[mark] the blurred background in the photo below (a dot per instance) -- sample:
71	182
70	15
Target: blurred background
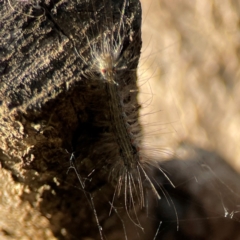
189	75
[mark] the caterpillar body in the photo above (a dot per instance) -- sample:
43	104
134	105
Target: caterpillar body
111	64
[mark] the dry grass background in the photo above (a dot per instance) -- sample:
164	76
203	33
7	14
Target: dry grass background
191	57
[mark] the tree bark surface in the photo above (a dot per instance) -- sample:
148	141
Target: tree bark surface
50	109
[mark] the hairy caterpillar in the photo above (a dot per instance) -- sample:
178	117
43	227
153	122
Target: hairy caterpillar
105	63
112	65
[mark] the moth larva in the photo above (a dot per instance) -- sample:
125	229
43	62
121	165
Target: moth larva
110	60
113	63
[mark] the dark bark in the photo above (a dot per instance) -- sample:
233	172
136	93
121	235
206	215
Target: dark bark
51	107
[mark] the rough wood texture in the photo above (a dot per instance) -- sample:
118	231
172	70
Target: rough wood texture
51	108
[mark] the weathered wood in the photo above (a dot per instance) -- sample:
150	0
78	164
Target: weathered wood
51	108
